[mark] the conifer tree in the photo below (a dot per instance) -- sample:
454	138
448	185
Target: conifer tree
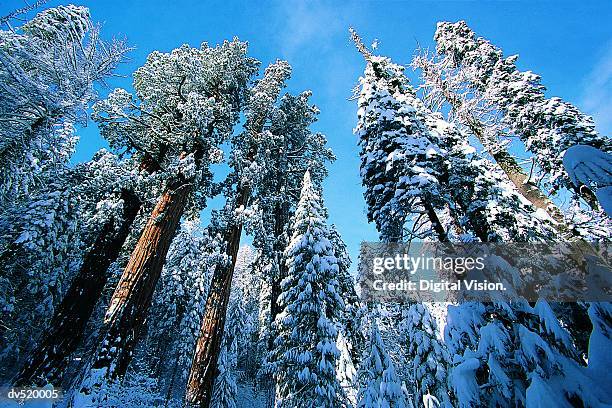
283	157
235	337
399	161
111	193
260	100
417	166
547	126
178	306
187	103
95	199
379	385
305	352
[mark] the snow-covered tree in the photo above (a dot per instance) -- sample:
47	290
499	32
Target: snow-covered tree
224	393
305	352
283	156
236	336
547	126
48	68
41	250
426	354
399	161
186	104
379	385
240	185
351	340
107	194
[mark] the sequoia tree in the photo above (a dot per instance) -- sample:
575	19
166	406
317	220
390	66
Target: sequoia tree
243	179
186	104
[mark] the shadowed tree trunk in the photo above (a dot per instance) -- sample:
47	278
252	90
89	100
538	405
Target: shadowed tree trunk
126	314
50	359
204	367
436	225
48	362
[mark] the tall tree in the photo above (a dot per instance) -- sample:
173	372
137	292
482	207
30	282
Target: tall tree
48	68
235	336
547	126
178	306
187	103
91	199
259	105
399	161
441	88
283	157
354	312
305	352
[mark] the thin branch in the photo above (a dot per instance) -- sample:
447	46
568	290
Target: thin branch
359	44
20	11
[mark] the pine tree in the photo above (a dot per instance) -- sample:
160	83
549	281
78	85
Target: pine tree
379	385
427	355
305	352
547	126
399	160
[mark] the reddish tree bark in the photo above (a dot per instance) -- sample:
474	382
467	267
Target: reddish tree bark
48	362
204	367
126	314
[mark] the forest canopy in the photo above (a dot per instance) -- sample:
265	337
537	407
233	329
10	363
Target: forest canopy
193	261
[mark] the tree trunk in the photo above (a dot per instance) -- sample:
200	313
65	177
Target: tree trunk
436	225
204	367
505	160
126	314
49	361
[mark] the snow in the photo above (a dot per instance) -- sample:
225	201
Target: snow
588	166
604	197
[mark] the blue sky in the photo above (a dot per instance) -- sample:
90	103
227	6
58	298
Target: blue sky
569	43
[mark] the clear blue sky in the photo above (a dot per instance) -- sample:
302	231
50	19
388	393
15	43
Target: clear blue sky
568	43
